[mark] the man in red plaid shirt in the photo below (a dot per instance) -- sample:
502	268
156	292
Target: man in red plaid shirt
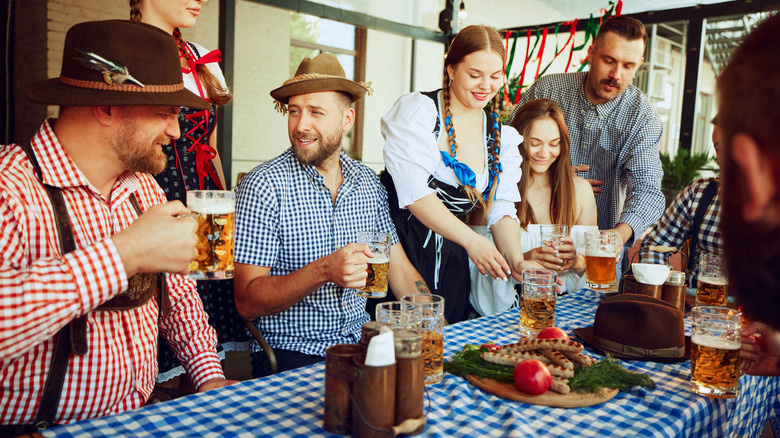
100	268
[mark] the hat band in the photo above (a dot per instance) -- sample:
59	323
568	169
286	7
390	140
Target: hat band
637	351
122	87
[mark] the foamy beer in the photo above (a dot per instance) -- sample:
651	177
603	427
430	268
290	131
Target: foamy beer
537	301
378	266
600	258
712	285
715	345
215	213
431	310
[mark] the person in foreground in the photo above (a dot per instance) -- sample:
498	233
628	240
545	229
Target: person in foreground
615	131
551	194
89	247
435	180
194	164
297	220
694	214
749	117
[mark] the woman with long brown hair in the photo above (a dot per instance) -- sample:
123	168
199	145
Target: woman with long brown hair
193	162
551	194
444	154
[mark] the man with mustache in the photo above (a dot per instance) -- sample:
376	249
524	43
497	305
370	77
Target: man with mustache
297	218
748	98
615	131
90	251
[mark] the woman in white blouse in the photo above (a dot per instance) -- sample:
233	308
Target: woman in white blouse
551	194
444	154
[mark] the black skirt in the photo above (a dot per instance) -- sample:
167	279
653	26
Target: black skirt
442	263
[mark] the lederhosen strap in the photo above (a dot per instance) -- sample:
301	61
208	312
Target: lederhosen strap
76	330
704	204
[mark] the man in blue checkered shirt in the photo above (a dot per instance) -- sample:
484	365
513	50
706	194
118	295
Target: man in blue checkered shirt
297	218
614	129
678	225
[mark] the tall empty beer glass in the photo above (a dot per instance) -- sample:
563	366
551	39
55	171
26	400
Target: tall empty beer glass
553	233
432	313
712	284
600	258
214	211
378	266
715	345
537	301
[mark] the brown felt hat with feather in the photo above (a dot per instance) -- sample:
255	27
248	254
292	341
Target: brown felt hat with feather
323	73
117	62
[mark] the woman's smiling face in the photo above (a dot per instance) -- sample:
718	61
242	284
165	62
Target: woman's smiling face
477	78
543	145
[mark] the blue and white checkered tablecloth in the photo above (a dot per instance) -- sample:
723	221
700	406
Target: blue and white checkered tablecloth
291	403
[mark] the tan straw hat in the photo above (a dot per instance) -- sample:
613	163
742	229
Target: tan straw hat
117	62
323	73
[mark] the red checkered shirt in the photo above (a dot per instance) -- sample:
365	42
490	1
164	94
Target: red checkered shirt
41	291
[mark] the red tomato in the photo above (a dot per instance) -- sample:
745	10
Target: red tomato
552	333
532	377
489	347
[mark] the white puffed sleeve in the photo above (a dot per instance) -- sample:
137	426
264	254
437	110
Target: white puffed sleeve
507	192
411	150
213	67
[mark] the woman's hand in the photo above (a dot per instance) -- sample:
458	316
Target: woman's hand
486	257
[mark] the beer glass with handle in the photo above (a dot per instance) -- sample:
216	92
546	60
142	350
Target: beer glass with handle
537	301
215	211
432	313
715	344
712	284
378	266
601	258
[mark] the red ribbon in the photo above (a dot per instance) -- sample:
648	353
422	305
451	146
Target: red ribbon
619	8
525	64
572	31
541	53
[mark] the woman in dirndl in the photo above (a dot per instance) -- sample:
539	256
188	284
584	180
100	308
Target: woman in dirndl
194	164
445	154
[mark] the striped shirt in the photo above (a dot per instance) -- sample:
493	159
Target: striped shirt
42	290
286	219
676	226
620	141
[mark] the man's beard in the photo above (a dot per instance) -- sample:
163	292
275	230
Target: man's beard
139	155
327	146
752	254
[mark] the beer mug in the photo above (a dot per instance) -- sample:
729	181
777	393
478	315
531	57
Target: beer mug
715	344
600	258
378	266
393	315
215	211
432	315
553	233
537	301
712	284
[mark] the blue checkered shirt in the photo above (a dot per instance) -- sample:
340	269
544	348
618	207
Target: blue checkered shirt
619	139
676	226
285	219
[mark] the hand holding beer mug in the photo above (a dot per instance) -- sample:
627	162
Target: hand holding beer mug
712	284
600	258
432	313
537	301
715	344
378	266
214	210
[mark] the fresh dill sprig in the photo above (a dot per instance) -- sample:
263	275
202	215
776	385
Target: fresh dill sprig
608	373
469	361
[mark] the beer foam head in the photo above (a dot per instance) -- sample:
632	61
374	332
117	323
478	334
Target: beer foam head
599	253
715	342
210	205
379	258
715	281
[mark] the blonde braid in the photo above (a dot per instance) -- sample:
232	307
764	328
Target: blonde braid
135	10
494	151
472	193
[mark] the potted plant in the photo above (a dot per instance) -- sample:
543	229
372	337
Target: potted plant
681	170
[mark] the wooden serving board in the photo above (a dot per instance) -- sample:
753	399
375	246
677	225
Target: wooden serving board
549	398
